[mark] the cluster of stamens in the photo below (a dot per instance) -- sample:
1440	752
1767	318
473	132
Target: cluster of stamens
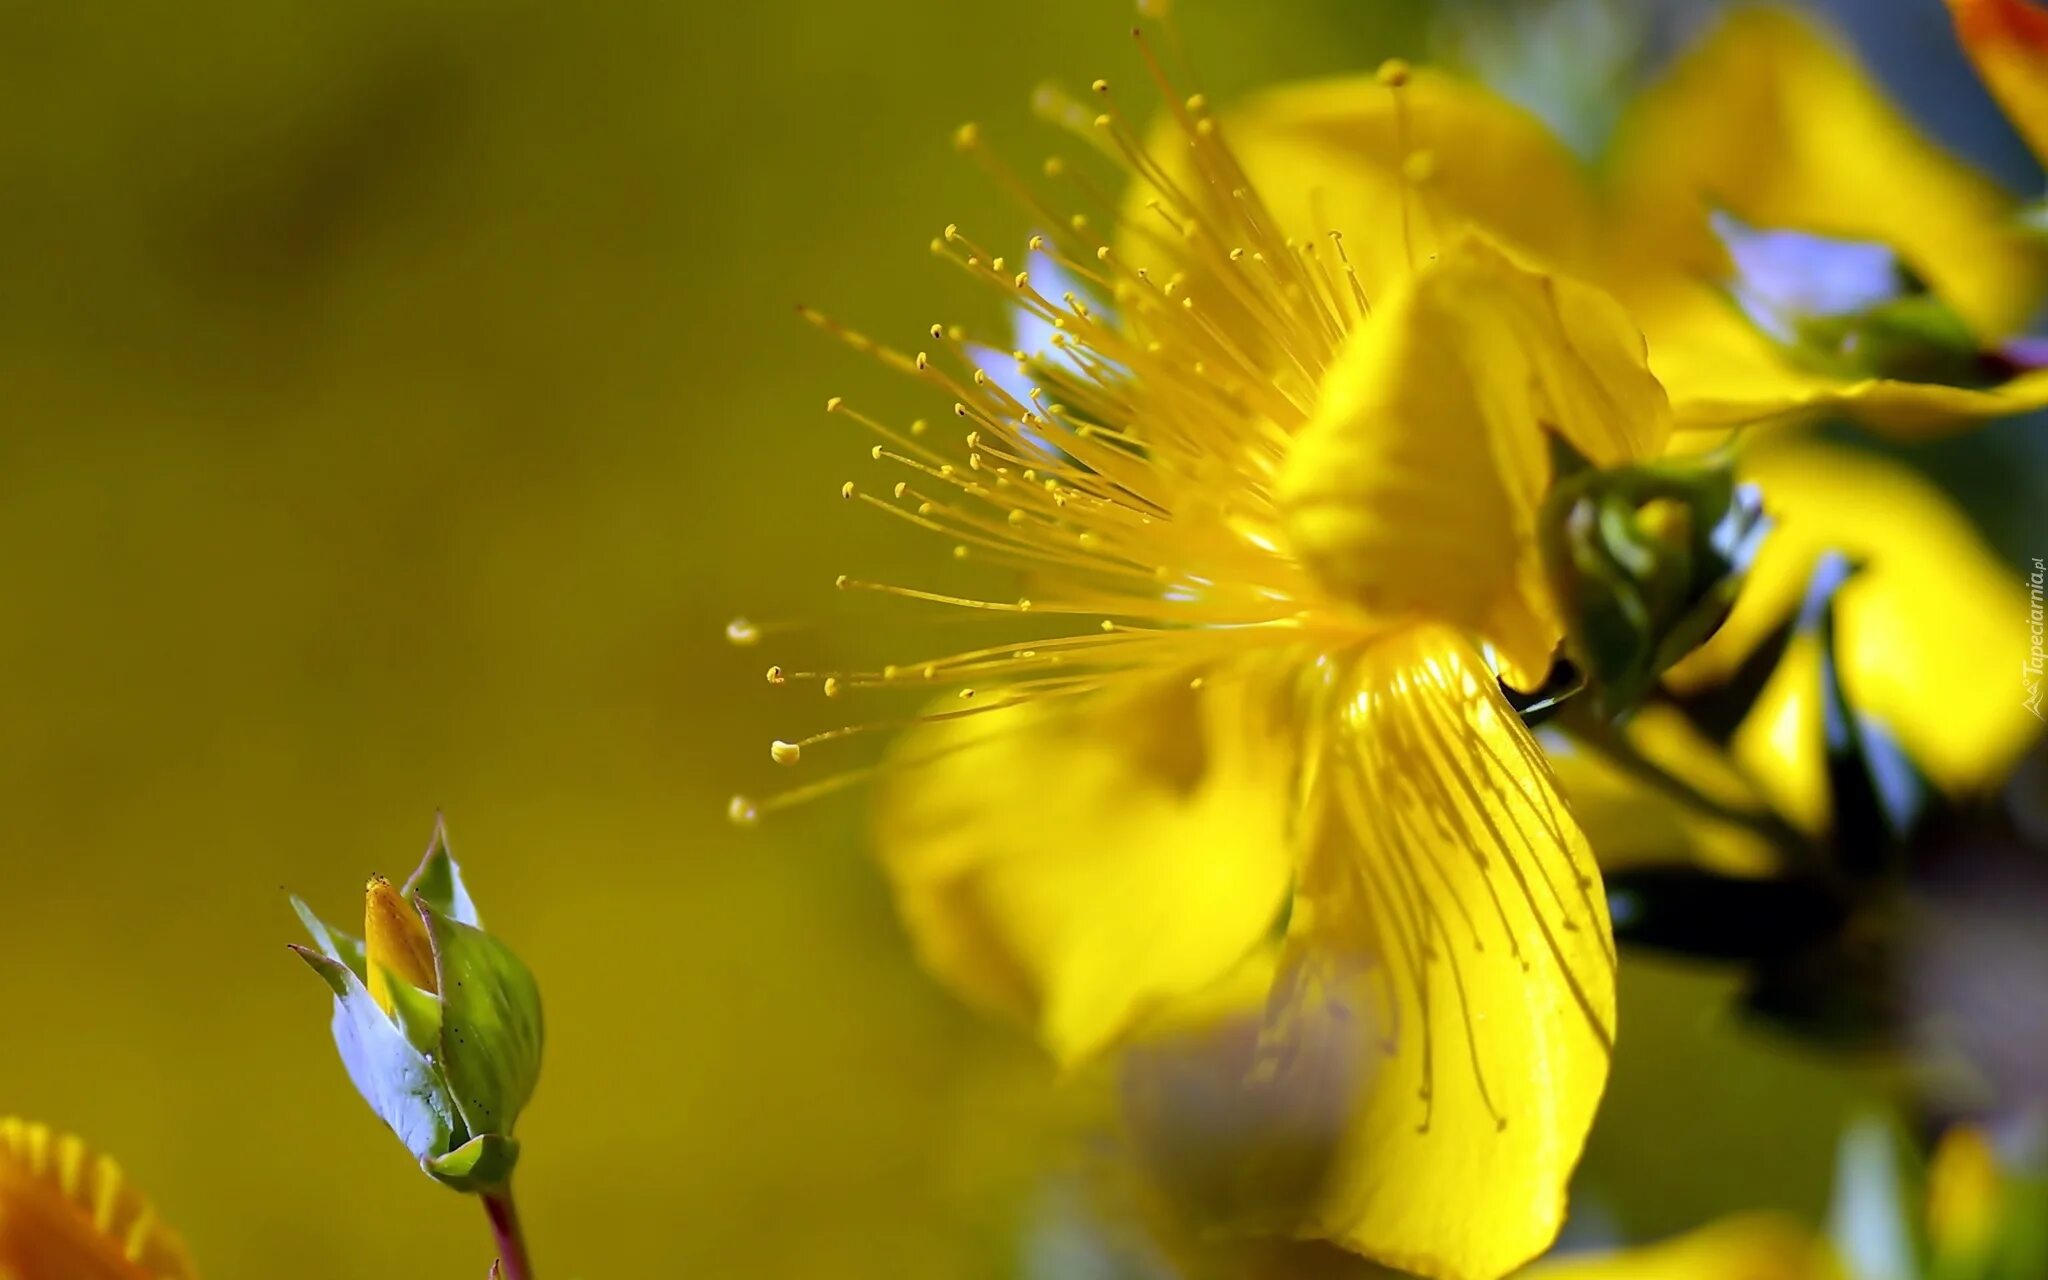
1126	469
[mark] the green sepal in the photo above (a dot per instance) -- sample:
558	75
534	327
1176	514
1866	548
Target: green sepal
417	1012
491	1030
437	881
483	1163
332	942
400	1084
1915	338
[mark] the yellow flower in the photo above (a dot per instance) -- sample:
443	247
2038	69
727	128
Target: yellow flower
68	1214
2008	40
1274	506
1769	125
1786	240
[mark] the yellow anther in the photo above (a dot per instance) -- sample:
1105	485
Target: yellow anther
785	752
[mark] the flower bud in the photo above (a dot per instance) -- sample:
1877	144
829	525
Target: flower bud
438	1022
1645	562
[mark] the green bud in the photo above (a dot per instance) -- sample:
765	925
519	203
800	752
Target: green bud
1646	562
438	1023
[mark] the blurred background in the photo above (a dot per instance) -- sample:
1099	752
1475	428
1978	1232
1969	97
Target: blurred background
402	397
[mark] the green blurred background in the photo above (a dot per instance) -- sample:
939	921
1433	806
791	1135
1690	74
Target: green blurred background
401	397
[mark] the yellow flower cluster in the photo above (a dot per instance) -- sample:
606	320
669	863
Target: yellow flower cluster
1272	455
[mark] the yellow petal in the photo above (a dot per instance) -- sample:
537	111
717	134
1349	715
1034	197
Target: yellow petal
1342	155
395	942
2008	40
67	1212
1723	372
1756	1246
1082	864
1933	633
1414	490
1451	927
1772	121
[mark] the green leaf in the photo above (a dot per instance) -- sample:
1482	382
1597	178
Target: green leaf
491	1030
481	1164
437	881
332	942
397	1080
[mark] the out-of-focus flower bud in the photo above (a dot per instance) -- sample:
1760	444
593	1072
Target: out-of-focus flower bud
1645	562
438	1023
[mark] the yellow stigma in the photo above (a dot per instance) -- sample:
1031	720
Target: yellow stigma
395	942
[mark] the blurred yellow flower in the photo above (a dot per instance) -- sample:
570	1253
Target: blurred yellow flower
1276	512
69	1214
2008	40
1924	634
1927	629
1786	240
1771	215
1976	1228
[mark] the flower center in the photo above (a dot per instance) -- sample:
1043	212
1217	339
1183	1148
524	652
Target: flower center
1118	462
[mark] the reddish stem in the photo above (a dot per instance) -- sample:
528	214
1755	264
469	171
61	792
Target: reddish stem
513	1263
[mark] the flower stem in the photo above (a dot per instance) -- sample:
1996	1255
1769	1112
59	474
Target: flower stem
513	1264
